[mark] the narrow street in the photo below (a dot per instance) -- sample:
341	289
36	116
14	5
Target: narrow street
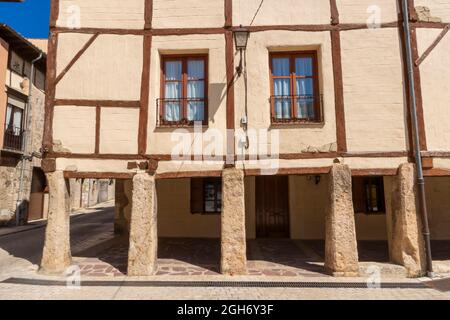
22	251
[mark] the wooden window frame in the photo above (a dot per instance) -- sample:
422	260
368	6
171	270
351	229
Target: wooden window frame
184	81
293	77
381	200
217	182
10	67
23	73
13	139
13	107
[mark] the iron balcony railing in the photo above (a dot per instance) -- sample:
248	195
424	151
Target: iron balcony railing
181	113
297	109
13	138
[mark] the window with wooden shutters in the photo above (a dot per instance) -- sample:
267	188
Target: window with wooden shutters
13	134
184	90
206	195
295	93
368	195
16	63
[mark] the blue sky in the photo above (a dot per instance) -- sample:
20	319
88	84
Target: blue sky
30	18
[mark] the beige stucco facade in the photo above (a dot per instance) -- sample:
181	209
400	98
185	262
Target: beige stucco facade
289	13
101	14
188	14
435	82
371	63
105	121
369	70
99	74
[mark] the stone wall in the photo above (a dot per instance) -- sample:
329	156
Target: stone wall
11	165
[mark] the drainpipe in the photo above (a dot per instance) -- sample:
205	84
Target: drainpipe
25	157
417	151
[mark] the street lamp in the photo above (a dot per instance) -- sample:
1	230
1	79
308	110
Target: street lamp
241	36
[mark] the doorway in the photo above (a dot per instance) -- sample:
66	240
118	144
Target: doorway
38	185
272	207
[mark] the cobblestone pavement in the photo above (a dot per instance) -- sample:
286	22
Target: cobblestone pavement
103	257
196	257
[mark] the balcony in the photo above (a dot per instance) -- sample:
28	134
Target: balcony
13	138
304	109
181	112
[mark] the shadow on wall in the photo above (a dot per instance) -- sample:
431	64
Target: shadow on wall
217	94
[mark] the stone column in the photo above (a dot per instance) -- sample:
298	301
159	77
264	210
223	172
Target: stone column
341	253
121	201
234	256
56	256
75	194
407	246
142	254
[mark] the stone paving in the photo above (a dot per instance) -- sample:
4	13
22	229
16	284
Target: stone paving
196	257
103	257
201	257
121	292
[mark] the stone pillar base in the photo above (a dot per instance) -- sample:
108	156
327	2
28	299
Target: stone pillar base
341	253
234	256
407	244
142	254
56	256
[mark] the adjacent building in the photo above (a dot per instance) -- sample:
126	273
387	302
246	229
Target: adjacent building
22	82
304	130
23	187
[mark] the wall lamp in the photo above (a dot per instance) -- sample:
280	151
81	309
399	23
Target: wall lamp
241	36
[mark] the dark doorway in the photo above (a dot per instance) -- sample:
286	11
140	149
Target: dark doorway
272	207
38	185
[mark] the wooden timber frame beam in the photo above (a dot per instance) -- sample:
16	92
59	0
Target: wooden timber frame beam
417	78
432	46
336	53
335	28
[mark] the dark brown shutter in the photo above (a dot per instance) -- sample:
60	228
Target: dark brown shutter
197	195
358	190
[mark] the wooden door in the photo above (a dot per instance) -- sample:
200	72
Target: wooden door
272	207
38	185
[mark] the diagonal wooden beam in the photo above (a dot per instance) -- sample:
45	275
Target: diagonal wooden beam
432	46
75	59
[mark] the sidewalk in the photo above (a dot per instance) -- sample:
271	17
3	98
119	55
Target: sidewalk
8	230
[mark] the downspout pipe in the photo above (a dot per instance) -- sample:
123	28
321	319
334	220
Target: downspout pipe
26	157
417	149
